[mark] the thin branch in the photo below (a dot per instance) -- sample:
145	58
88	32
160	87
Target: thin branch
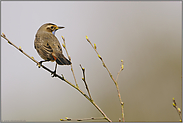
116	84
122	66
84	80
60	77
84	119
64	45
178	109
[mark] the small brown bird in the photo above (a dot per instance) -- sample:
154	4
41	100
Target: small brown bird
48	46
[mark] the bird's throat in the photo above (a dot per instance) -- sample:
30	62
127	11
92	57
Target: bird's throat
54	32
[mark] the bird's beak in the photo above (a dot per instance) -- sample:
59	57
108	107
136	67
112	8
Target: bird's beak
59	27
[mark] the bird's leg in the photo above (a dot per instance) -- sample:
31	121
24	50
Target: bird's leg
40	63
54	72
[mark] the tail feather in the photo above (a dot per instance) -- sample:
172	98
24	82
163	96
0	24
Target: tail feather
63	61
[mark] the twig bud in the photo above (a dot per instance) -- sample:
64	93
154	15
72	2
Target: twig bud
99	56
63	37
174	101
87	39
20	49
173	98
63	45
83	79
174	105
119	119
9	42
3	35
82	67
122	66
62	76
179	110
69	57
103	64
95	46
32	57
67	118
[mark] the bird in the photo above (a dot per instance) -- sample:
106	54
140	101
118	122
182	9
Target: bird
48	46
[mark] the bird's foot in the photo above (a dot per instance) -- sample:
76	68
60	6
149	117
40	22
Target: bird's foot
53	74
39	64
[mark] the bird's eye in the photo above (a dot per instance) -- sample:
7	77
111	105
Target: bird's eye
52	27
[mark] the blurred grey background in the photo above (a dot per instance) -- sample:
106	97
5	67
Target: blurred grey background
146	35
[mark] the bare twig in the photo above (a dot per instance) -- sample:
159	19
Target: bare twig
60	77
84	80
64	45
84	119
122	66
116	84
178	109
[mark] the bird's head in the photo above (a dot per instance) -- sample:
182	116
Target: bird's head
49	27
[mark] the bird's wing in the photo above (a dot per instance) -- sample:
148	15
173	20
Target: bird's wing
43	47
61	60
57	52
55	44
46	47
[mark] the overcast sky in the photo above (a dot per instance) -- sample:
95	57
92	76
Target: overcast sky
146	35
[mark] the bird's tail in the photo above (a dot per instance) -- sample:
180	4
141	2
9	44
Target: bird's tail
61	60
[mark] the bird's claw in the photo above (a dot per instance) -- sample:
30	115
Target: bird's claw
53	74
